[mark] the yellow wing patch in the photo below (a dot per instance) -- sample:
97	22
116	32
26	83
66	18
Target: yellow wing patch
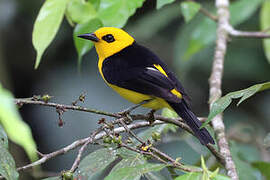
177	93
160	69
174	91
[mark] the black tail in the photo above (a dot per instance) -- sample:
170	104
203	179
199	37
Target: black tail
192	121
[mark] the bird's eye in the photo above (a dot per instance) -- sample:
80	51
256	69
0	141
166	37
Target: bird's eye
108	38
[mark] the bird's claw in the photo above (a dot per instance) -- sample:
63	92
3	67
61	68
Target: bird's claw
151	116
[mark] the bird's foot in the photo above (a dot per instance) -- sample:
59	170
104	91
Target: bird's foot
130	109
151	116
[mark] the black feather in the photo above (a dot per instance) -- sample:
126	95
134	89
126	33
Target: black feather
192	121
133	68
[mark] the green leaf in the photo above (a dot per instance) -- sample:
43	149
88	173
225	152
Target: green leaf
135	172
3	138
131	159
190	176
244	169
221	104
155	176
95	3
199	176
46	25
161	3
115	13
203	33
81	11
159	20
53	178
189	9
163	128
220	177
93	164
17	130
263	167
7	163
242	10
265	23
166	112
82	45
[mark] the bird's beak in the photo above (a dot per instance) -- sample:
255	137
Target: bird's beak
89	36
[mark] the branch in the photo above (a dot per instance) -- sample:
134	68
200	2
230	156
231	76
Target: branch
158	119
80	142
235	32
21	102
215	82
246	34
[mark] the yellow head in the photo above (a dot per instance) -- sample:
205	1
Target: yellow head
109	40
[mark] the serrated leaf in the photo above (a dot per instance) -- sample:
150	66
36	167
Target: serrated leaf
115	13
94	163
265	23
263	167
82	45
204	32
7	163
161	3
81	11
46	25
189	9
17	130
135	172
221	104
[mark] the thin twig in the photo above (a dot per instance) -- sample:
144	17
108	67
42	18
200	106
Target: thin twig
215	82
247	34
63	106
80	142
208	14
82	149
158	152
177	121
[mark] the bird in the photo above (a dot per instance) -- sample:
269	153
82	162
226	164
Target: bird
139	75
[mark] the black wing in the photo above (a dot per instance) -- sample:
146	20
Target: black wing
133	68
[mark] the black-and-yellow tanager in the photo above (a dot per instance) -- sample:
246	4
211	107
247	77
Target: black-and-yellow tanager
137	74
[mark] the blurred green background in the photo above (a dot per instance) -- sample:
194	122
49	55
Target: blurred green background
165	32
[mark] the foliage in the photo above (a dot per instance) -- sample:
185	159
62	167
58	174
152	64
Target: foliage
221	104
263	167
89	16
47	24
112	162
7	163
265	24
18	131
204	175
202	33
189	9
